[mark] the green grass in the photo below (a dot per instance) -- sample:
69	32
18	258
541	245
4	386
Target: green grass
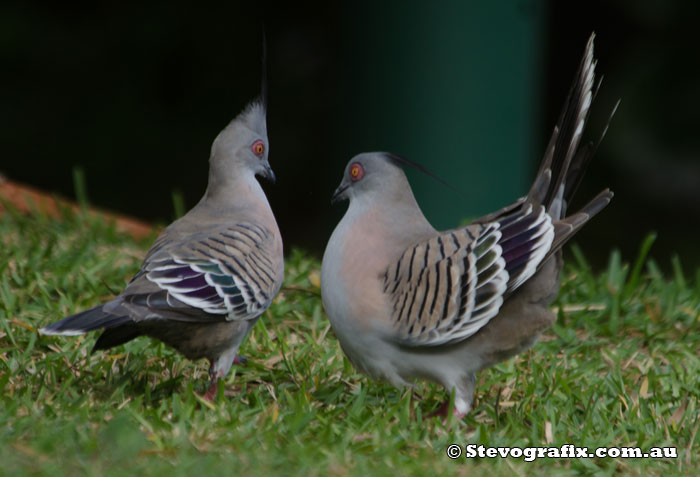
619	368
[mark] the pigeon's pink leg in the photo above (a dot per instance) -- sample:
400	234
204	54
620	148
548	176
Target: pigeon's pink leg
213	390
443	410
214	384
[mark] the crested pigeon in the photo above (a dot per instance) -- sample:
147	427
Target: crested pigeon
210	274
408	302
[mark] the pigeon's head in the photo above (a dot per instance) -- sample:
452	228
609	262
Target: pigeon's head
243	145
369	173
378	176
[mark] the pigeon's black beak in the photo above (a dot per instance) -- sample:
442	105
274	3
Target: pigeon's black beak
339	195
269	175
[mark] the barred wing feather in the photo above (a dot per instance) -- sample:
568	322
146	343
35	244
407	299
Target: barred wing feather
445	289
226	273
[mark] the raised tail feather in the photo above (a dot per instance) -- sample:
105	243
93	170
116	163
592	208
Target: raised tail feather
551	183
564	163
560	172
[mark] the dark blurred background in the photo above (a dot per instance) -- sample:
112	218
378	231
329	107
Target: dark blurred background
135	94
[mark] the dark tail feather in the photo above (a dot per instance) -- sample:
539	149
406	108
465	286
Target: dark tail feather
116	336
580	162
550	185
567	228
565	163
89	320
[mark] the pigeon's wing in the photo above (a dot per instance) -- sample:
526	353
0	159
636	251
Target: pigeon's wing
227	274
445	289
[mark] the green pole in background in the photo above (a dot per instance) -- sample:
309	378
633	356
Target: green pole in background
453	85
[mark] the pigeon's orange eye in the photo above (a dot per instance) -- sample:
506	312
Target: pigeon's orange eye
356	172
258	148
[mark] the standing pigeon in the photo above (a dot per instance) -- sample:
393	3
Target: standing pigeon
210	274
407	301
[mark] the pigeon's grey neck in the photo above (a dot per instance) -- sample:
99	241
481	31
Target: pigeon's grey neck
391	209
235	194
394	192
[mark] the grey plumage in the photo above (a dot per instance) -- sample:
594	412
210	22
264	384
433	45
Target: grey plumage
407	301
212	273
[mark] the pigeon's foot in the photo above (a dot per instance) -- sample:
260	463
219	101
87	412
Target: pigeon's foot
213	390
443	411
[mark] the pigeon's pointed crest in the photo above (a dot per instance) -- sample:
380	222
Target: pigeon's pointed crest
419	167
263	72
